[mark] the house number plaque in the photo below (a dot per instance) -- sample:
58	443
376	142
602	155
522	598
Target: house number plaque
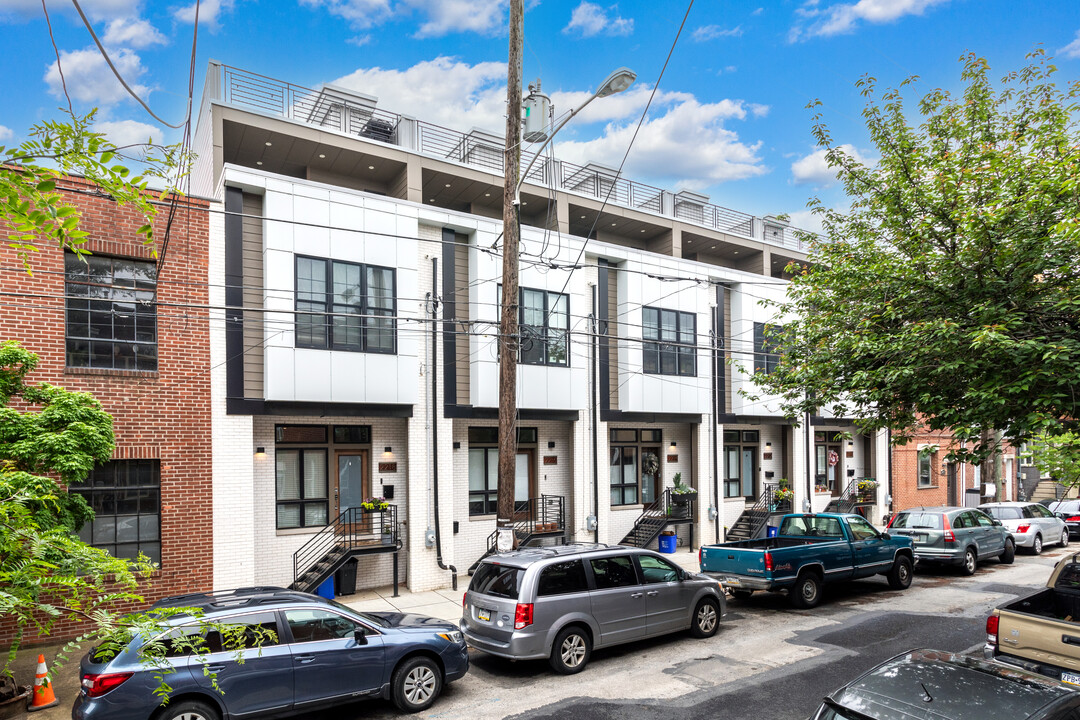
388	467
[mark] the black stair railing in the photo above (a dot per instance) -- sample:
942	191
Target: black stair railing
537	517
756	516
352	529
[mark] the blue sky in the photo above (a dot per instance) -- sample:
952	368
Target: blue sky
729	117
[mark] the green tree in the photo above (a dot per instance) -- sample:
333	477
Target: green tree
1056	456
948	294
33	209
50	438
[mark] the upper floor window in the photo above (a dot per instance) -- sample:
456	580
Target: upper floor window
766	347
544	326
344	306
111	315
670	342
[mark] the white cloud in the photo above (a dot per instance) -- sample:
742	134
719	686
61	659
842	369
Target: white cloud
805	220
443	91
359	40
6	133
89	79
360	14
844	17
712	32
589	20
485	17
814	168
758	109
210	12
94	9
128	132
687	146
1072	50
132	32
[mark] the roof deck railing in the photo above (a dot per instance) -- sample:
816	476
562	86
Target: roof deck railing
356	114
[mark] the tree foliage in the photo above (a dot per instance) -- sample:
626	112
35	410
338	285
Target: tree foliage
33	209
948	294
1057	456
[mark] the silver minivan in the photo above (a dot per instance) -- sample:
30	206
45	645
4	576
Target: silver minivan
561	602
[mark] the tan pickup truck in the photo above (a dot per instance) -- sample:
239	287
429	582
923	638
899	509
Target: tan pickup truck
1041	631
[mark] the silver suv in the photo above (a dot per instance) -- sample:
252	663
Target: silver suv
561	602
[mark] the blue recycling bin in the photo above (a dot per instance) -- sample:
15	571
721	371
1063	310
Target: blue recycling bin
667	543
772	531
326	590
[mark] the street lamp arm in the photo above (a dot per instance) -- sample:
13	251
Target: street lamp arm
551	136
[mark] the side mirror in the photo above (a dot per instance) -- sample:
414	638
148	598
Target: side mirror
886	536
360	635
995	521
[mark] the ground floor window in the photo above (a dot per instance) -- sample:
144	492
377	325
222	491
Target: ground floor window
302	488
125	496
740	462
635	466
484	470
320	472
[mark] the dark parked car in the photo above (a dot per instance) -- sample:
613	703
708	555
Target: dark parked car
935	685
321	654
954	535
1069	511
561	602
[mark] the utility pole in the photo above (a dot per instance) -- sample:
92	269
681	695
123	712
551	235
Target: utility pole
508	324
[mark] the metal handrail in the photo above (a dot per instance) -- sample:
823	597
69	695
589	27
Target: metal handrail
353	528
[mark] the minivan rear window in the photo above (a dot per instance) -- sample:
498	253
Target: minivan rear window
928	520
561	578
497	580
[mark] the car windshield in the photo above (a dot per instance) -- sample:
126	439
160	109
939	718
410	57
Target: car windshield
367	617
1002	513
926	520
832	711
497	580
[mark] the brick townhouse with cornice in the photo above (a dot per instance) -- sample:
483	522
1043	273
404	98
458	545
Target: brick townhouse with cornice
130	326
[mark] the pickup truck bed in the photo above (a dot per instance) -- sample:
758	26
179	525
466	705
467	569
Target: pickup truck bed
1041	631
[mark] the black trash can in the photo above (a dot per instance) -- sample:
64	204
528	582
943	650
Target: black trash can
345	579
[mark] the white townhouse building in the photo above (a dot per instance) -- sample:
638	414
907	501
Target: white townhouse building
357	358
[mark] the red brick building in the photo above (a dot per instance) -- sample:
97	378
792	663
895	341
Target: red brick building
921	475
132	329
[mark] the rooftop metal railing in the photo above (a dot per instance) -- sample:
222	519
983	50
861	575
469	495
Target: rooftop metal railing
355	114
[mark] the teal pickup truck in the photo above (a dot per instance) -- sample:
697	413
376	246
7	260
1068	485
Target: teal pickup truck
808	551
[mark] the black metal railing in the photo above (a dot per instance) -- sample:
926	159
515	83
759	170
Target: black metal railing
860	491
354	528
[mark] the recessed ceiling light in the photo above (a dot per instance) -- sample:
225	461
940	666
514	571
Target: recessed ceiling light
712	247
612	224
431	199
322	155
582	217
370	167
642	231
736	252
487	194
268	143
258	162
447	184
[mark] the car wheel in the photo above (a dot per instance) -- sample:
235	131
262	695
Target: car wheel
415	684
188	710
1009	554
1036	545
706	619
1065	537
570	651
971	562
742	594
900	575
807	591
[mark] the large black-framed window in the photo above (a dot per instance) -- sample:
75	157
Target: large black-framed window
544	327
766	347
740	462
630	484
669	342
125	496
111	312
484	466
302	487
345	306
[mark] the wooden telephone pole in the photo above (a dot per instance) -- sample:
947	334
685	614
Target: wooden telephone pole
508	325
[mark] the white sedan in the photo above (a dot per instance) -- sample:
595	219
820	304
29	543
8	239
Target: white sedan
1031	524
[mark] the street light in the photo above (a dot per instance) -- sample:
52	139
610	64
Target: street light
615	83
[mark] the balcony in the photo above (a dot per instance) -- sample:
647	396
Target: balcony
355	114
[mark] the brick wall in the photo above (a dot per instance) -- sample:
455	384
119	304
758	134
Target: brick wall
162	415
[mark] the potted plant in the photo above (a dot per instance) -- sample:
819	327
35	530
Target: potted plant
822	490
681	493
374	505
866	488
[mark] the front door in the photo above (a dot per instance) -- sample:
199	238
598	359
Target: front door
828	468
524	482
353	483
650	482
951	483
748	471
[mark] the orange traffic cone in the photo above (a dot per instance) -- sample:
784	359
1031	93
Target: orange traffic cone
43	693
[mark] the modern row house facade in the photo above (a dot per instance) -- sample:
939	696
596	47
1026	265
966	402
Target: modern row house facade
355	273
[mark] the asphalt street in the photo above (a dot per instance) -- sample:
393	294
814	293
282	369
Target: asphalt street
767	661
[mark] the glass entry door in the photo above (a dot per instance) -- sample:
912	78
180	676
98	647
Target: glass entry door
828	468
748	460
353	479
524	482
649	481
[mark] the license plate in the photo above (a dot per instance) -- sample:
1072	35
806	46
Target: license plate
1071	678
732	581
483	614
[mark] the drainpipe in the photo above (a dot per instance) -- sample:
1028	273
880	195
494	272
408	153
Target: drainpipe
435	418
810	459
595	379
888	449
716	416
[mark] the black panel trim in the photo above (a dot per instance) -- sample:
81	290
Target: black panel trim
449	307
647	417
234	293
469	412
241	406
602	336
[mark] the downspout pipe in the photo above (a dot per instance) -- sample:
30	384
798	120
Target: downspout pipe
716	414
435	417
595	379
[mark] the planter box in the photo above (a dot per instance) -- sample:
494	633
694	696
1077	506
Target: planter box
684	498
